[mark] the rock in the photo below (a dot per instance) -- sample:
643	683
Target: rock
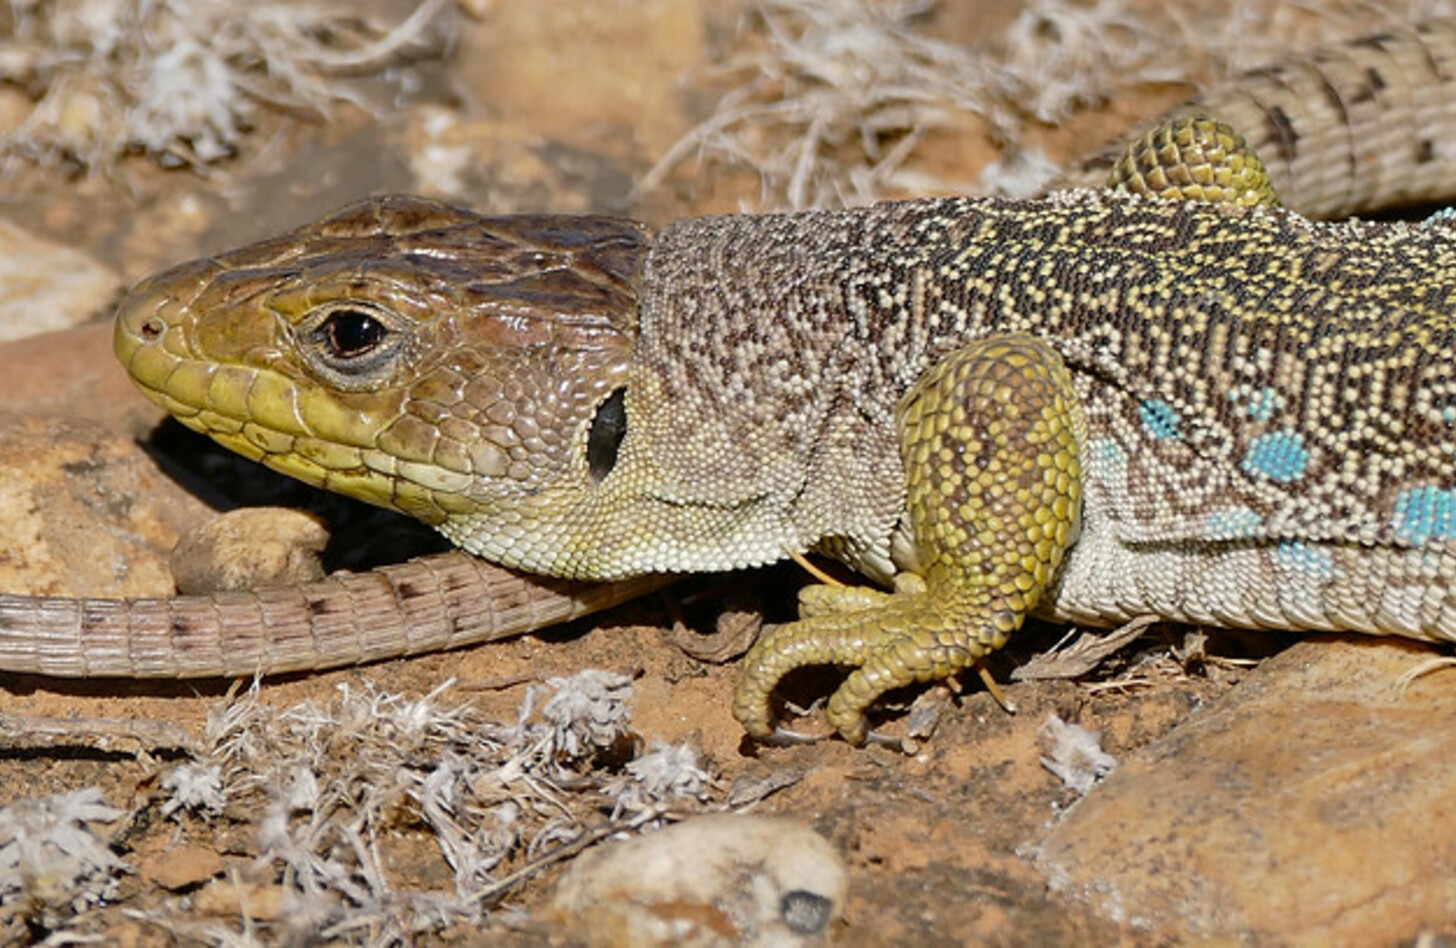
1312	805
74	372
248	548
84	512
552	110
709	881
231	898
515	68
183	867
45	286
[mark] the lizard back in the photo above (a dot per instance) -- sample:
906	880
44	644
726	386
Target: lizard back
1250	380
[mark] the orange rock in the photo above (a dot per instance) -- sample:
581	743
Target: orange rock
182	866
73	372
84	511
1313	805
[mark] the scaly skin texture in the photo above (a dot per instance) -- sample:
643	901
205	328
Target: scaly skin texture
1091	407
422	606
412	608
1344	129
990	437
486	406
1195	158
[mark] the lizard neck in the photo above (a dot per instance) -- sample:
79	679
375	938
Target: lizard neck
759	397
760	404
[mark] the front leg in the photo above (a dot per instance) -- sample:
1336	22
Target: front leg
990	438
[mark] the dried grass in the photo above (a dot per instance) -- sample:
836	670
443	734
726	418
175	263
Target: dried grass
182	80
332	794
828	100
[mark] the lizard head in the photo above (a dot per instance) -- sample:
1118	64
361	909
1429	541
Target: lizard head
465	370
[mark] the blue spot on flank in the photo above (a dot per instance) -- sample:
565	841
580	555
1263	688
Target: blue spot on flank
1108	452
1107	463
1233	523
1160	419
1264	403
1423	514
1279	455
1445	215
1305	559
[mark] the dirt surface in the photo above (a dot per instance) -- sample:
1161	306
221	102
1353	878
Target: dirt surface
556	106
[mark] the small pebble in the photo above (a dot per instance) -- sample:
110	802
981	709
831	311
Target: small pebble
709	881
248	548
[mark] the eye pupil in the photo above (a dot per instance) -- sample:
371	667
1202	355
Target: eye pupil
349	333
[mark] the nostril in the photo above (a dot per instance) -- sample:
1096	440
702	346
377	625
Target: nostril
152	329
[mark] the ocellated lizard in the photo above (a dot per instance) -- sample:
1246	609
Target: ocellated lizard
1087	407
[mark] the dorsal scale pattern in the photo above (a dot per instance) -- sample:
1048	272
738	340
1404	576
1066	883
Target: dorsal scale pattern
1245	373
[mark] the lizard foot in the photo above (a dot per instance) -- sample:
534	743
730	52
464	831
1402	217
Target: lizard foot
989	437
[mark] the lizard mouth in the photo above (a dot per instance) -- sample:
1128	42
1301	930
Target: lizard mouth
251	403
151	342
412	355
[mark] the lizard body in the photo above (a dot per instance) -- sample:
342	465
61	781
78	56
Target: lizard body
1312	120
1213	413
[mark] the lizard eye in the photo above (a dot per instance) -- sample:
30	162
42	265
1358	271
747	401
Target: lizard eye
353	346
350	333
608	428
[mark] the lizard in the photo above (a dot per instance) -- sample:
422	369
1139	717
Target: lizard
615	280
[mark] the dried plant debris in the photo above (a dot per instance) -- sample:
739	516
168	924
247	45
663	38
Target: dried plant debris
52	864
182	80
1074	754
332	803
829	107
828	99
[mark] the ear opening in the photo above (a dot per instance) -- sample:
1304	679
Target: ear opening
608	427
